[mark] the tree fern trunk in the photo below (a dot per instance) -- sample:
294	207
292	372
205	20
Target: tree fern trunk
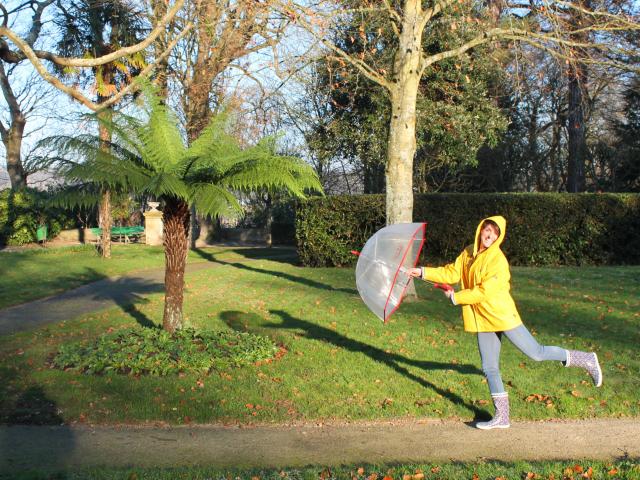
176	246
105	204
104	214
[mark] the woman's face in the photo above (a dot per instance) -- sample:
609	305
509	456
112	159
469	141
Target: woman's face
488	235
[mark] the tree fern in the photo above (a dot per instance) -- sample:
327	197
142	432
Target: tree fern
150	156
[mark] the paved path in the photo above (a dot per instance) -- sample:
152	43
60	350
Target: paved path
291	446
110	292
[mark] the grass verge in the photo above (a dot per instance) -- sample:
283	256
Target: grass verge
38	273
340	361
584	469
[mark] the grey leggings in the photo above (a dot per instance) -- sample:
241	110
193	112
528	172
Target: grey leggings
489	345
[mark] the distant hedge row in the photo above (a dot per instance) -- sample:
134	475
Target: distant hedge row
542	229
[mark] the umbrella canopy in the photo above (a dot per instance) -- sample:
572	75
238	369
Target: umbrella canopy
381	272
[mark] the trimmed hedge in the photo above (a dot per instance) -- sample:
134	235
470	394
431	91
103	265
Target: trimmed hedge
542	228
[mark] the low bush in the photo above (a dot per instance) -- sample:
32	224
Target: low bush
542	228
151	351
22	212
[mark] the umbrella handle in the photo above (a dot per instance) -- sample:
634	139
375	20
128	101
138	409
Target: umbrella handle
443	286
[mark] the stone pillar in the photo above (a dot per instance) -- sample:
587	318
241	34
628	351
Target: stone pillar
153	230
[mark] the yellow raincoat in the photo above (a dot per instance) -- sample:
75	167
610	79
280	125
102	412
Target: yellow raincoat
486	303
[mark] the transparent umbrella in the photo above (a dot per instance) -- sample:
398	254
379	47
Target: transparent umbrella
381	272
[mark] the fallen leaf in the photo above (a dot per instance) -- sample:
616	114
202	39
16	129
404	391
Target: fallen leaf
386	402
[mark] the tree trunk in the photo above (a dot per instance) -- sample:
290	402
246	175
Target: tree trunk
401	147
13	147
176	246
402	127
576	129
104	211
13	135
159	10
373	173
104	215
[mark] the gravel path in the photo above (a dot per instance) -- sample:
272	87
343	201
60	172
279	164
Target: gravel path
300	445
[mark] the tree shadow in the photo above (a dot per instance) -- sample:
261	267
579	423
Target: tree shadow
127	293
100	294
275	273
394	361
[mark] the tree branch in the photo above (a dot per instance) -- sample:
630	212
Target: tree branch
33	55
538	40
133	86
36	24
7	91
362	66
428	14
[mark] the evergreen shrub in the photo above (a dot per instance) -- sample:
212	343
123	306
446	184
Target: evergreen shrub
22	212
542	228
151	351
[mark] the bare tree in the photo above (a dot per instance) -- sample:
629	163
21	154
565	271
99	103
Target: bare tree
21	101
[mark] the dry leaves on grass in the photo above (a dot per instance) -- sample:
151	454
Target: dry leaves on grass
539	398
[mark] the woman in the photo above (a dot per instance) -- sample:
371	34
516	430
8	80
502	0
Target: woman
488	309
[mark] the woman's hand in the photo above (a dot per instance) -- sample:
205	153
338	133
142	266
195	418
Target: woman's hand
414	272
449	294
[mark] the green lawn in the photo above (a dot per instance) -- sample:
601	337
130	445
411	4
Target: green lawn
341	362
578	470
38	273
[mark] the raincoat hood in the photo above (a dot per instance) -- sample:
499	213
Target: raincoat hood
502	224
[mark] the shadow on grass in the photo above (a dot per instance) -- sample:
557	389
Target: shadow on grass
394	361
24	405
22	446
127	293
275	273
103	292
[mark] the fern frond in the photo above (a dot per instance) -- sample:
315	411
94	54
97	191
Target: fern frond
265	171
162	146
164	184
215	201
80	195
